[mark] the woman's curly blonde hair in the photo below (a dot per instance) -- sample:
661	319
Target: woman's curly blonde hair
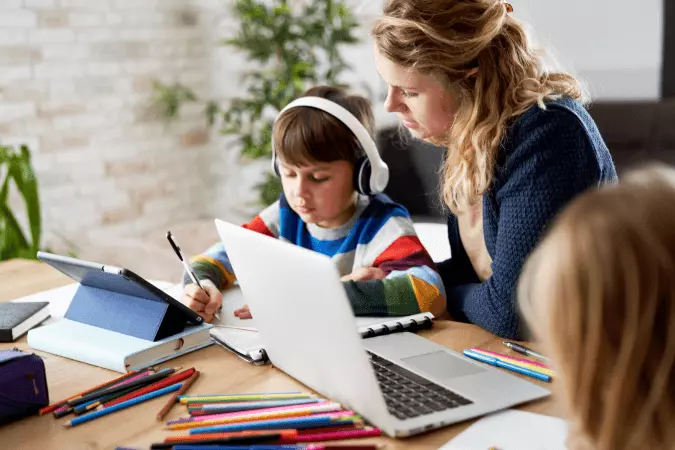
449	38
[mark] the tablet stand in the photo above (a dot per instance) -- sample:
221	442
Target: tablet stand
143	317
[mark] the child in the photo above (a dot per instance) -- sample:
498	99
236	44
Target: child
384	267
600	293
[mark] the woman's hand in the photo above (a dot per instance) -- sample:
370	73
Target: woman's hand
243	312
365	274
206	304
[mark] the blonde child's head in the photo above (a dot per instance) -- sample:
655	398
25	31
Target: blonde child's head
599	292
316	155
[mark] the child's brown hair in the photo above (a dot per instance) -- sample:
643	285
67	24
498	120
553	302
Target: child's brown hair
308	135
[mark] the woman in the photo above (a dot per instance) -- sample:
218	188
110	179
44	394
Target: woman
599	293
520	145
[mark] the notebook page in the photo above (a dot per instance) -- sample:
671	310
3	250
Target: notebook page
512	430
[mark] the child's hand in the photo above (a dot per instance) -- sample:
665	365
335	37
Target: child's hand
206	304
243	312
365	274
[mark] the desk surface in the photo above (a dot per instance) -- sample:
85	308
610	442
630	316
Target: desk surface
222	372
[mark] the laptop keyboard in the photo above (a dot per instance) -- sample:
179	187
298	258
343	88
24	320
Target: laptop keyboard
409	395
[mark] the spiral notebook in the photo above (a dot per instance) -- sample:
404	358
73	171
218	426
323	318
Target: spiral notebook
242	338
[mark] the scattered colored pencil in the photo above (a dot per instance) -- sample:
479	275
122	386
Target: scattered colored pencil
288	434
516	362
139	382
514	358
254	415
313	407
181	376
135	401
244	406
297	423
174	398
242	397
53	407
506	365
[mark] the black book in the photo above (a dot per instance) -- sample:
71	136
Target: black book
16	318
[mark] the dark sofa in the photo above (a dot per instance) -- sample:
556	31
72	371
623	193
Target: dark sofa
635	133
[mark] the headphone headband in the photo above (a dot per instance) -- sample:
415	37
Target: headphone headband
379	176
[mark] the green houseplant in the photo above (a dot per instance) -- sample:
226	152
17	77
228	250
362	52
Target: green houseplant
294	48
16	170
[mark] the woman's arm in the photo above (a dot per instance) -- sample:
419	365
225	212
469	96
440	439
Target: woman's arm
553	161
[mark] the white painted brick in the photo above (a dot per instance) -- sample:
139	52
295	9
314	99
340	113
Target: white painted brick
62	89
104	69
86	19
138	34
10	111
48	71
79	122
19	18
144	67
96	35
67	52
40	4
13	73
137	4
6	4
86	4
11	37
51	36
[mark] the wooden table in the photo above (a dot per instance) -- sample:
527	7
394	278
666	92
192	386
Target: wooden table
222	372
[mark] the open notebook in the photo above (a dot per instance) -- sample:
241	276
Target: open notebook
242	338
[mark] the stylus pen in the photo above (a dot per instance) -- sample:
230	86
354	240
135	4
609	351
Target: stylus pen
187	267
525	351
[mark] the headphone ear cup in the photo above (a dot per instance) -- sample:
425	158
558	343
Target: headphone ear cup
275	164
362	172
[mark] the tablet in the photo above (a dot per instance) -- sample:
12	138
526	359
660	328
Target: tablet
116	279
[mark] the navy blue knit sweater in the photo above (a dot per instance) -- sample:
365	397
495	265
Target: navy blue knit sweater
547	158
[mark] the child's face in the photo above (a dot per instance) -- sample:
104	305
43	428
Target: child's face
320	193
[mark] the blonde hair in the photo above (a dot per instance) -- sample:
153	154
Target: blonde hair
449	38
306	135
600	293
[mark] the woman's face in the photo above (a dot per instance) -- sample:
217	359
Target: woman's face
423	105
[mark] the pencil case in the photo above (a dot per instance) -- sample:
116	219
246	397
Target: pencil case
23	384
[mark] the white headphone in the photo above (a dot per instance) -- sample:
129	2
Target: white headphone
371	173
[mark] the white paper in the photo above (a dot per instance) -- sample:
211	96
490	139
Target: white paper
512	430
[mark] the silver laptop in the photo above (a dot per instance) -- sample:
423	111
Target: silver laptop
401	382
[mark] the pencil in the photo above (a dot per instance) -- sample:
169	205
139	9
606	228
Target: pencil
152	387
120	406
174	398
242	397
139	382
86	407
53	407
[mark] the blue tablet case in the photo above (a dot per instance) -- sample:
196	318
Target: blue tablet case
114	302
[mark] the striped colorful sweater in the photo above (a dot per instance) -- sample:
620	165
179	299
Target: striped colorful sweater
379	234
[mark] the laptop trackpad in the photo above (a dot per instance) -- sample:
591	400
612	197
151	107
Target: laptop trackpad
442	365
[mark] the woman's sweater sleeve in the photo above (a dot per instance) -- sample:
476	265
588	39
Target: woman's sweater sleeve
552	161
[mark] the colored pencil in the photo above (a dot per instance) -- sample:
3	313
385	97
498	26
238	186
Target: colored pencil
330	414
242	397
523	360
242	393
216	416
174	398
505	365
516	362
120	406
244	406
86	407
280	447
251	416
234	440
139	382
59	404
338	435
181	376
296	423
289	434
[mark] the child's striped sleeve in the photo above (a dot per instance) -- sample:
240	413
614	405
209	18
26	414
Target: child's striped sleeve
214	263
412	284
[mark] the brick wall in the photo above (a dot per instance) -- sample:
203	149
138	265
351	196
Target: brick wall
75	83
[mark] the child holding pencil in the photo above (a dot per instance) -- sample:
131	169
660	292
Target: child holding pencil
600	293
386	271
